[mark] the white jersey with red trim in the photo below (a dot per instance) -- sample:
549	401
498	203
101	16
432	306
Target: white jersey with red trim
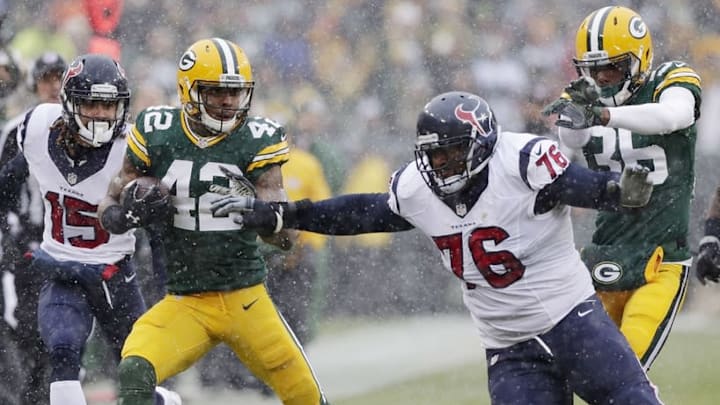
521	272
71	191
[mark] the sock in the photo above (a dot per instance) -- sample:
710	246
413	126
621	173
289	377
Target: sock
66	392
164	396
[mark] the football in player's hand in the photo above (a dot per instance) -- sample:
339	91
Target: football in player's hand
144	188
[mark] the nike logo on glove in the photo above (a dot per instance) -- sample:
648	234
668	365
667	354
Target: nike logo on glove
246	307
130	277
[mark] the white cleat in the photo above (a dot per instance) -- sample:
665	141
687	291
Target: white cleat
169	397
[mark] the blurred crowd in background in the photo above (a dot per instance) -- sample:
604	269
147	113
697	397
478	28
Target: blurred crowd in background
347	79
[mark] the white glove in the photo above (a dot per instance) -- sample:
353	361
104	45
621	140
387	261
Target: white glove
239	184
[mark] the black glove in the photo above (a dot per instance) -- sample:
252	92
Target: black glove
143	208
708	260
265	218
137	209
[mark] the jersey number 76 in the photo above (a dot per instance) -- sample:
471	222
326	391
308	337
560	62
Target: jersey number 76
500	268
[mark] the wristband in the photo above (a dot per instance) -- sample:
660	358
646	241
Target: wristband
293	210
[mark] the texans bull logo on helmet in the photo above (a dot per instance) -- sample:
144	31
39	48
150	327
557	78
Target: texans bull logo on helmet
73	70
470	117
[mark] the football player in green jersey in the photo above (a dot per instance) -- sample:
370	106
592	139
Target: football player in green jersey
621	111
215	273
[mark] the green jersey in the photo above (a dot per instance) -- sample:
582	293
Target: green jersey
664	221
203	252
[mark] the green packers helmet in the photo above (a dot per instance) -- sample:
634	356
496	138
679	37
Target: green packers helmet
214	63
614	37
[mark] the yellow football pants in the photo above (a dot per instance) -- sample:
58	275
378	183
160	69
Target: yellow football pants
645	315
179	330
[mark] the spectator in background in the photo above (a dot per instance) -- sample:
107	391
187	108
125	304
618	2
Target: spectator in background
61	27
10	77
313	120
293	276
23	233
9	360
361	257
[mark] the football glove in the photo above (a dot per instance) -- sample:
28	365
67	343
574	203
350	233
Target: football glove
634	187
265	218
557	105
708	260
577	107
239	184
141	210
576	116
583	91
137	210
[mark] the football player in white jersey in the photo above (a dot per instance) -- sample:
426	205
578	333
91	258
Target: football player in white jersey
73	150
496	206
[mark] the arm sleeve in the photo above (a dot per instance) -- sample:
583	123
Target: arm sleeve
573	138
674	110
349	214
580	187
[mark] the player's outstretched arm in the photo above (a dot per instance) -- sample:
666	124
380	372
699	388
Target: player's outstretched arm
581	187
350	214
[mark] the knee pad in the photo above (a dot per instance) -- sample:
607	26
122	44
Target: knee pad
65	363
137	381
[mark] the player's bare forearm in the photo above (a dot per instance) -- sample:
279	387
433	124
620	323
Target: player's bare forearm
126	175
269	187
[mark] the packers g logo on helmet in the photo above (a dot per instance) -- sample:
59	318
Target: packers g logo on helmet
637	26
209	65
614	37
187	61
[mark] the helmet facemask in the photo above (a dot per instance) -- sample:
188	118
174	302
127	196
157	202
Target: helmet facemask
97	82
466	156
219	118
614	37
618	93
96	132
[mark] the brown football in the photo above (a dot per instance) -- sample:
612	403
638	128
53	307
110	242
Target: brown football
145	183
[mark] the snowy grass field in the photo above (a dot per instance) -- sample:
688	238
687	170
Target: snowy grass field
438	359
685	373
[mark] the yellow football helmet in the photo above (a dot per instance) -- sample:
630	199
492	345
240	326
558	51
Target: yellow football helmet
614	37
211	65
